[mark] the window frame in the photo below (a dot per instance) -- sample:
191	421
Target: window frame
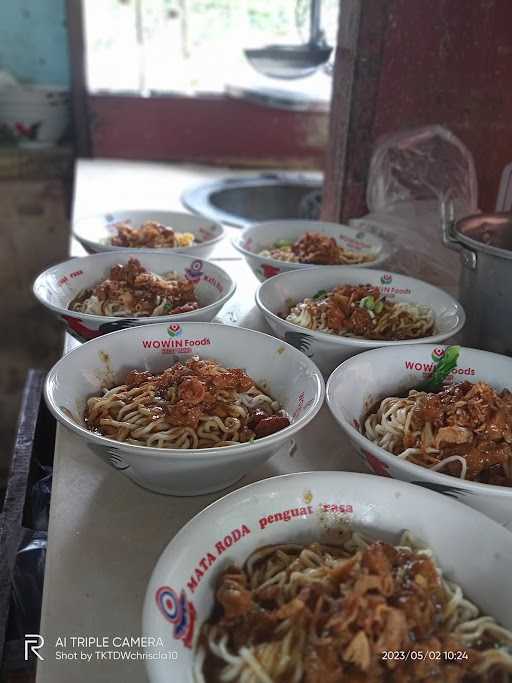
214	129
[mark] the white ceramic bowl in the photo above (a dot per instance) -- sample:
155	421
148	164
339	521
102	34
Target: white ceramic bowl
35	115
262	235
328	350
285	373
355	387
95	232
466	545
57	286
35	95
35	125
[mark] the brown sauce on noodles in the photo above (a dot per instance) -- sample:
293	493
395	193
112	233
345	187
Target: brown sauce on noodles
131	290
196	404
324	614
316	248
464	430
362	311
150	235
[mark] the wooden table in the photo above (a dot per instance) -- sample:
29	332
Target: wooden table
105	532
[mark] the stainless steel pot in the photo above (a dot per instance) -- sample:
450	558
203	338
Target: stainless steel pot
485	245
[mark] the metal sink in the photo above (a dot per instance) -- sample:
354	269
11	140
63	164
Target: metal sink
250	199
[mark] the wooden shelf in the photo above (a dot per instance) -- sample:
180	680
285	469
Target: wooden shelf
21	163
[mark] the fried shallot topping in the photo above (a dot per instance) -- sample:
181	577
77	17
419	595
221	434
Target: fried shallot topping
186	393
150	234
471	420
316	248
318	614
133	290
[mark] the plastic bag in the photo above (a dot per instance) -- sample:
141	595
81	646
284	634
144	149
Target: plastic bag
428	164
40	501
26	598
411	173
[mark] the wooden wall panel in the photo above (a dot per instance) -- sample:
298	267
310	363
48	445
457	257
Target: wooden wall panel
450	62
356	83
215	130
443	61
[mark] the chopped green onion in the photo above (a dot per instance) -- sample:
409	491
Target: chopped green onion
367	302
371	304
320	294
283	243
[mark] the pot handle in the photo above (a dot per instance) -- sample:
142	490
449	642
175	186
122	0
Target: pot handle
447	226
469	257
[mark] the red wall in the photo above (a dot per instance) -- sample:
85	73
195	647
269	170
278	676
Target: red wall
443	61
450	62
217	129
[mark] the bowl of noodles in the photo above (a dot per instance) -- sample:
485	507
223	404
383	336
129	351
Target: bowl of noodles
165	231
102	293
276	247
185	409
333	313
453	436
332	576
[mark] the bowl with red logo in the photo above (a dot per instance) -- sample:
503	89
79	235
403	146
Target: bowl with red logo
356	388
194	235
279	295
206	289
301	509
259	242
283	378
